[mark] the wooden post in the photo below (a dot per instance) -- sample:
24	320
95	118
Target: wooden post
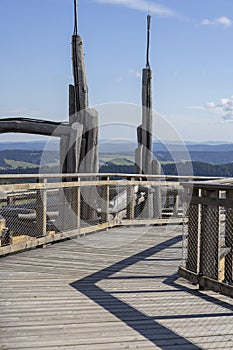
144	153
5	236
76	203
157	201
80	80
41	212
130	201
176	204
147	153
210	240
71	104
229	241
74	148
193	252
64	146
105	202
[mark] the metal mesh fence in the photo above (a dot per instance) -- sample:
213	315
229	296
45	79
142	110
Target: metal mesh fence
47	209
208	235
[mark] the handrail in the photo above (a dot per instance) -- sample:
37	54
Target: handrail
120	175
76	207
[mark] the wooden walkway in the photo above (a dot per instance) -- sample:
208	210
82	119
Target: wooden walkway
110	290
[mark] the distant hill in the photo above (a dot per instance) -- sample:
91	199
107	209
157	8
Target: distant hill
209	152
31	145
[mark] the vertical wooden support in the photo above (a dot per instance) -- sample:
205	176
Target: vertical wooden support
105	202
64	146
193	252
148	210
76	204
80	80
41	211
5	236
130	201
229	241
147	126
210	240
176	204
74	148
71	104
157	202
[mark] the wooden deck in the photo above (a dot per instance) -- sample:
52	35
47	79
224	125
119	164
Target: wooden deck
111	290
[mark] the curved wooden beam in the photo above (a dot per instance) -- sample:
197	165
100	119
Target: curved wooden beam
34	126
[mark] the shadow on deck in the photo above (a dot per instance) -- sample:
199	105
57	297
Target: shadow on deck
126	297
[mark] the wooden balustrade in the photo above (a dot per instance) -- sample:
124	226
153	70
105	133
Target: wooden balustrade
209	256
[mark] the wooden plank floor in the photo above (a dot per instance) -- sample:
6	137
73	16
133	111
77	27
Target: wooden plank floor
111	290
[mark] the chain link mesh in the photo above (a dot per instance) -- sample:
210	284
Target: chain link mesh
208	236
47	209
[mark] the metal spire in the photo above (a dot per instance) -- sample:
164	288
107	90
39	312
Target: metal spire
75	18
148	42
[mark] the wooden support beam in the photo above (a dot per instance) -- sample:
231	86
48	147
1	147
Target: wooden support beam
34	126
105	203
130	202
157	200
41	212
147	126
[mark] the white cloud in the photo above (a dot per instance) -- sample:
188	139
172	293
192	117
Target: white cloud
210	105
135	73
225	107
223	21
142	5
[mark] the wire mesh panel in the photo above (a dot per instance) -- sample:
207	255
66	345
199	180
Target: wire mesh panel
48	209
21	213
228	256
208	239
193	236
210	242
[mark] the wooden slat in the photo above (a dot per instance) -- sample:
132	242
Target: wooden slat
111	290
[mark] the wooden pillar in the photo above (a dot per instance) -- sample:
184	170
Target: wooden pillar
229	241
5	234
210	240
76	204
41	212
157	202
176	204
193	250
105	202
130	201
80	80
147	127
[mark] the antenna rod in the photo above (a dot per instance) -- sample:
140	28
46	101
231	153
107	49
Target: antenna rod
148	42
75	18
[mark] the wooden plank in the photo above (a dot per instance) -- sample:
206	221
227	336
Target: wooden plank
75	296
41	212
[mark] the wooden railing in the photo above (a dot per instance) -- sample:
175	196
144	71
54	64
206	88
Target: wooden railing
54	206
208	236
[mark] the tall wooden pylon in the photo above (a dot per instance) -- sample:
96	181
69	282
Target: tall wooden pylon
79	151
82	147
144	162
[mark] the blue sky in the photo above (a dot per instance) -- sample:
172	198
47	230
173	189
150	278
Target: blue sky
191	58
